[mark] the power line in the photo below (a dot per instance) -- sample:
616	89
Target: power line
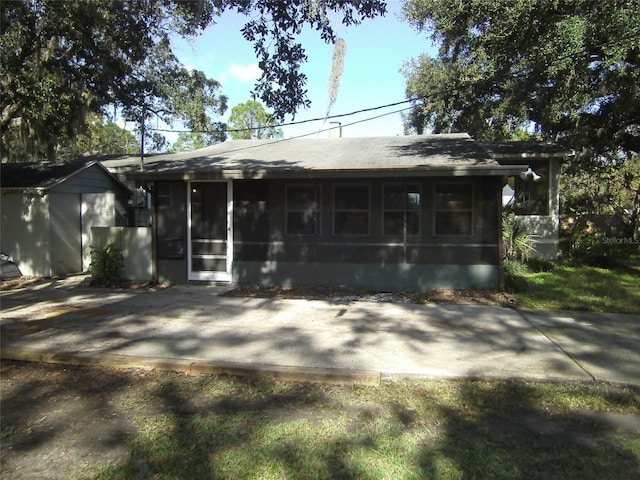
243	146
300	122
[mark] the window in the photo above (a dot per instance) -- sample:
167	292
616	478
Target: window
163	194
531	194
401	209
302	205
351	210
250	210
453	209
170	221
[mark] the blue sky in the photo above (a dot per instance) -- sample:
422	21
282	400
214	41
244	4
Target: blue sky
376	50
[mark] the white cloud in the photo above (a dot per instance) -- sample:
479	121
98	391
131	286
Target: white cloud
243	73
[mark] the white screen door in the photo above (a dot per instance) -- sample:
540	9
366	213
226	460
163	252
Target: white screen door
210	236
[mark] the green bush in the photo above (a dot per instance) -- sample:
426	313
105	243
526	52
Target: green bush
515	276
106	265
518	243
538	265
591	250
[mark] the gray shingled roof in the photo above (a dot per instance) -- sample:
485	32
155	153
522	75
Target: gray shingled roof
451	154
42	176
38	174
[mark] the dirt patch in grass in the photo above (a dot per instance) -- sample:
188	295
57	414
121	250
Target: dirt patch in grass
26	281
441	296
20	282
444	296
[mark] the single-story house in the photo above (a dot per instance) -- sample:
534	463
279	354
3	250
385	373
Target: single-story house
48	210
381	213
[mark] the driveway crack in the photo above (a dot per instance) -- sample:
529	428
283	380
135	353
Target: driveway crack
558	346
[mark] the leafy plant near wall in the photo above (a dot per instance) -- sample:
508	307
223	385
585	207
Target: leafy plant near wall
518	244
106	265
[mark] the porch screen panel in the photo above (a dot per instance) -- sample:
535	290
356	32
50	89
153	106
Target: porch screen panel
170	219
401	204
531	195
209	226
303	216
351	210
453	209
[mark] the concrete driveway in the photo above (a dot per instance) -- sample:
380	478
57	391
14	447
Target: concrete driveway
194	328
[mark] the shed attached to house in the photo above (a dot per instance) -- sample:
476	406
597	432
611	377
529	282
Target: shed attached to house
48	211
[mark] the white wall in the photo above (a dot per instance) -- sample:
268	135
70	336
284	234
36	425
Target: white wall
24	232
98	210
135	245
65	237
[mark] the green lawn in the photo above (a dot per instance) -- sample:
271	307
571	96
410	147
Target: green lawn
581	287
211	427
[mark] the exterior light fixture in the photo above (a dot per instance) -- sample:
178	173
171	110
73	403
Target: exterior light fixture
528	173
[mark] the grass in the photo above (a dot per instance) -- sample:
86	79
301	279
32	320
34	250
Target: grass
577	287
253	428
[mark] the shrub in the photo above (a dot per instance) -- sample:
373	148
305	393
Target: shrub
106	265
537	265
515	276
518	244
590	250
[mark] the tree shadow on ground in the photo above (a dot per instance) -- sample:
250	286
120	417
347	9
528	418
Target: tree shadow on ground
504	430
177	426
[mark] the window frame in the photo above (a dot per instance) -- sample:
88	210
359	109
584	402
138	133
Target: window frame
164	195
404	210
336	210
437	210
316	209
526	200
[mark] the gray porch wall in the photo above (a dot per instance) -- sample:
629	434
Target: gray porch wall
172	271
367	276
545	229
265	254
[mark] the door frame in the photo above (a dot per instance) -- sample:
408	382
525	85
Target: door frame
211	276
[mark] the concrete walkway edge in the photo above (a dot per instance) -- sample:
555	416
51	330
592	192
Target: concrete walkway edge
303	374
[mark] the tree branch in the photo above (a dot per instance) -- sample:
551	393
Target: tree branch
9	112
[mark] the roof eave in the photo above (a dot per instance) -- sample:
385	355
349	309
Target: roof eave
40	191
347	172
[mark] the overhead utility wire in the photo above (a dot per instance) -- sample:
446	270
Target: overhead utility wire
300	122
631	36
280	140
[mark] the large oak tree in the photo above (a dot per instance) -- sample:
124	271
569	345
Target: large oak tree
62	60
563	70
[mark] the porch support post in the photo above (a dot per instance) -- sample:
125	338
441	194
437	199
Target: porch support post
500	236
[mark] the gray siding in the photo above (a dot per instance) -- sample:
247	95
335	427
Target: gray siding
66	235
95	180
43	233
378	277
90	180
25	232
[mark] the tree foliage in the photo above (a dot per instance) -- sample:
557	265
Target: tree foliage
273	30
189	141
63	60
104	138
251	120
566	71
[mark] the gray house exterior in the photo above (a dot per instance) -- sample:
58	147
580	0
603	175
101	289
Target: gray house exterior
48	210
381	213
535	202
